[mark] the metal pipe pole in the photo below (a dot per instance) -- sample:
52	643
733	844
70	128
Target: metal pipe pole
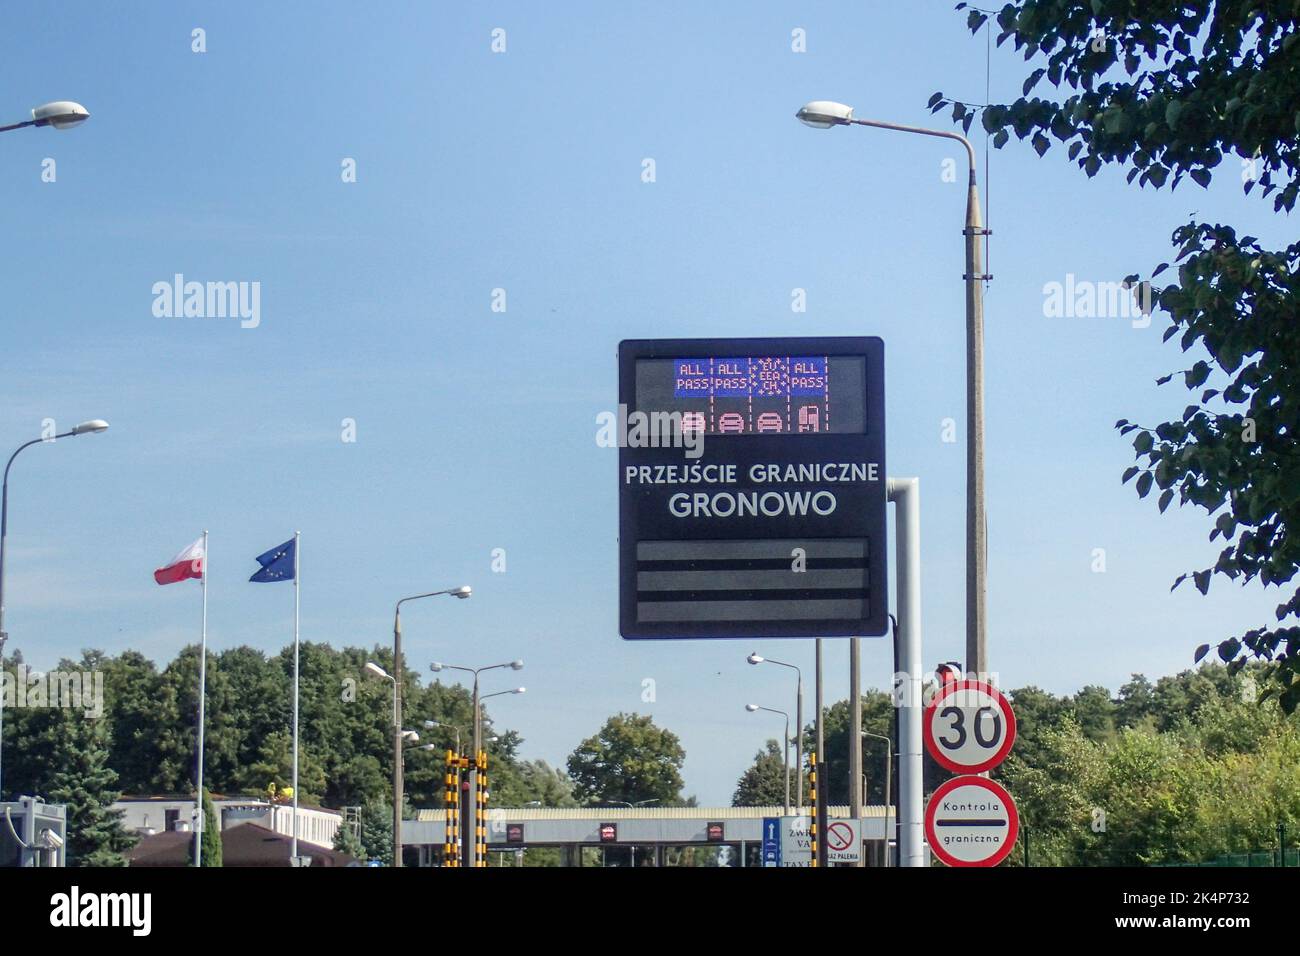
471	846
202	818
397	735
889	759
822	764
461	592
905	493
798	740
4	538
855	733
293	851
889	807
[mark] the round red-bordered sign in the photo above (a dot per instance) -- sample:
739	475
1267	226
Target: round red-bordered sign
839	836
960	829
969	727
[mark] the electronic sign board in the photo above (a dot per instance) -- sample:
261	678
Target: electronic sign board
752	488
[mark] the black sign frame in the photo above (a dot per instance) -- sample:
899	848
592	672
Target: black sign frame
859	520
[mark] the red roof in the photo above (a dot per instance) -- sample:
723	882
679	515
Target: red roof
245	844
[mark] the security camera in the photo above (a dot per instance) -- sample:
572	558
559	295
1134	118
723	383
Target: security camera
51	840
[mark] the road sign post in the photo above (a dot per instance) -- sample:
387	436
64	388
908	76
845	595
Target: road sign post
752	488
971	821
969	726
796	842
843	841
772	832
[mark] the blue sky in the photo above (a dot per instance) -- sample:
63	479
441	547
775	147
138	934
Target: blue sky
476	429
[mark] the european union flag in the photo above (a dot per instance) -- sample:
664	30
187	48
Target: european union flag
277	564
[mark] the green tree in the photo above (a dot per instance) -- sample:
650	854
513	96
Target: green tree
1169	89
347	841
131	691
274	765
763	783
377	831
1207	771
84	782
1037	712
628	761
1095	711
211	835
1136	703
1054	791
534	781
877	718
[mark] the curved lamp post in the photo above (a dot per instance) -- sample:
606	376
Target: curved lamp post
889	768
755	708
517	665
92	427
756	658
461	592
438	667
823	114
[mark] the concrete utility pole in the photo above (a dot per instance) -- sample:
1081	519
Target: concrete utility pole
823	114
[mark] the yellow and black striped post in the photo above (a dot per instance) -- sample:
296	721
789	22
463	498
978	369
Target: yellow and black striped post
812	798
480	854
449	855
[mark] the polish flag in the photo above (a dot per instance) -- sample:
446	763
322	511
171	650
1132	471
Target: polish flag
187	564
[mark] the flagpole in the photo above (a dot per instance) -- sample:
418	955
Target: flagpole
200	819
294	850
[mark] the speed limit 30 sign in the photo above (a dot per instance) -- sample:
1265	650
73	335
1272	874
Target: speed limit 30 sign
969	726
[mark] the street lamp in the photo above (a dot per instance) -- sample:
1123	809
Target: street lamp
92	427
461	592
755	708
517	665
823	114
889	770
478	711
374	670
755	658
432	724
61	114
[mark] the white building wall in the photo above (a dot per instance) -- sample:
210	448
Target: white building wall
315	826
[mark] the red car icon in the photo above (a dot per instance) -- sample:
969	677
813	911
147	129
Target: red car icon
731	422
770	422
